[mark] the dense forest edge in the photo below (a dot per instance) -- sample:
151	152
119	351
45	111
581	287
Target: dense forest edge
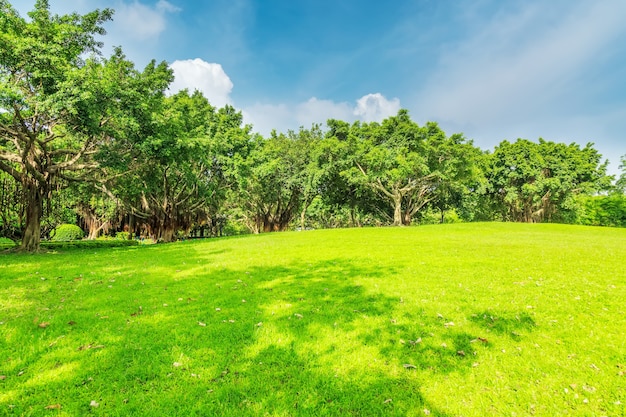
93	142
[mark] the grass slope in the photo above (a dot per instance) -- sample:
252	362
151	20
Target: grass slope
469	319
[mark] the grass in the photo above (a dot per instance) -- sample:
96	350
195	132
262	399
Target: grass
451	320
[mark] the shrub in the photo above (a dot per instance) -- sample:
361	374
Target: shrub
5	241
66	233
123	236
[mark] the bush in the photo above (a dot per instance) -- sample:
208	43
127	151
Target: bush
66	233
602	210
123	236
6	242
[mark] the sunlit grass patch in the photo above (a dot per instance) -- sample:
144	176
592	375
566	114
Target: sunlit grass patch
468	319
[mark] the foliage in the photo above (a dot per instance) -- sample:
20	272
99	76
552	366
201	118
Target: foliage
443	318
123	236
620	184
409	166
66	233
60	103
538	181
278	178
602	210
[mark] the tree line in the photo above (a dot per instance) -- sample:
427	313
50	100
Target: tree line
94	141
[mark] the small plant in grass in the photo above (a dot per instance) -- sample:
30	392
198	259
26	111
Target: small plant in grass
66	233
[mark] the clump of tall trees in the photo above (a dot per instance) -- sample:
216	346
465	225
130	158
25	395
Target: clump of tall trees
94	141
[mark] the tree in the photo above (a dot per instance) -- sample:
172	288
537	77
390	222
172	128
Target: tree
460	179
338	188
620	184
169	178
534	182
409	166
56	108
278	179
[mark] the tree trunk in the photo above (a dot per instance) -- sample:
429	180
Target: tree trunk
397	211
167	234
34	211
303	217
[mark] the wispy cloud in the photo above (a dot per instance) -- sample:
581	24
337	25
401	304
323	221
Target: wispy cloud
166	6
523	65
139	21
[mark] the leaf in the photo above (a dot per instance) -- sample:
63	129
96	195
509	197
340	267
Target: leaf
44	324
387	401
177	364
71	322
460	353
3	377
201	324
409	366
53	407
298	315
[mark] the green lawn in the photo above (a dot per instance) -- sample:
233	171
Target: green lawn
450	320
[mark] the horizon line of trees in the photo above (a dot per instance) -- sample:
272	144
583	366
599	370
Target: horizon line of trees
94	141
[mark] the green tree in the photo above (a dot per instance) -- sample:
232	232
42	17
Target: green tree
534	182
409	166
338	188
279	178
169	179
56	108
620	184
459	177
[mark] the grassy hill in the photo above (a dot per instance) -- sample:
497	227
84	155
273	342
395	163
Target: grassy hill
449	320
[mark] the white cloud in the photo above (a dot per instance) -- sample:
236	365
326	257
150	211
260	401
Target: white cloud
375	107
369	108
209	78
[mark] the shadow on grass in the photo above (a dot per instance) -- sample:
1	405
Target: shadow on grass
510	324
296	339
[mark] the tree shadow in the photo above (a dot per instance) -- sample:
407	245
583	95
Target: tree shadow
504	323
296	339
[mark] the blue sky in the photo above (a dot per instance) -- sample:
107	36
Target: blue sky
491	69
